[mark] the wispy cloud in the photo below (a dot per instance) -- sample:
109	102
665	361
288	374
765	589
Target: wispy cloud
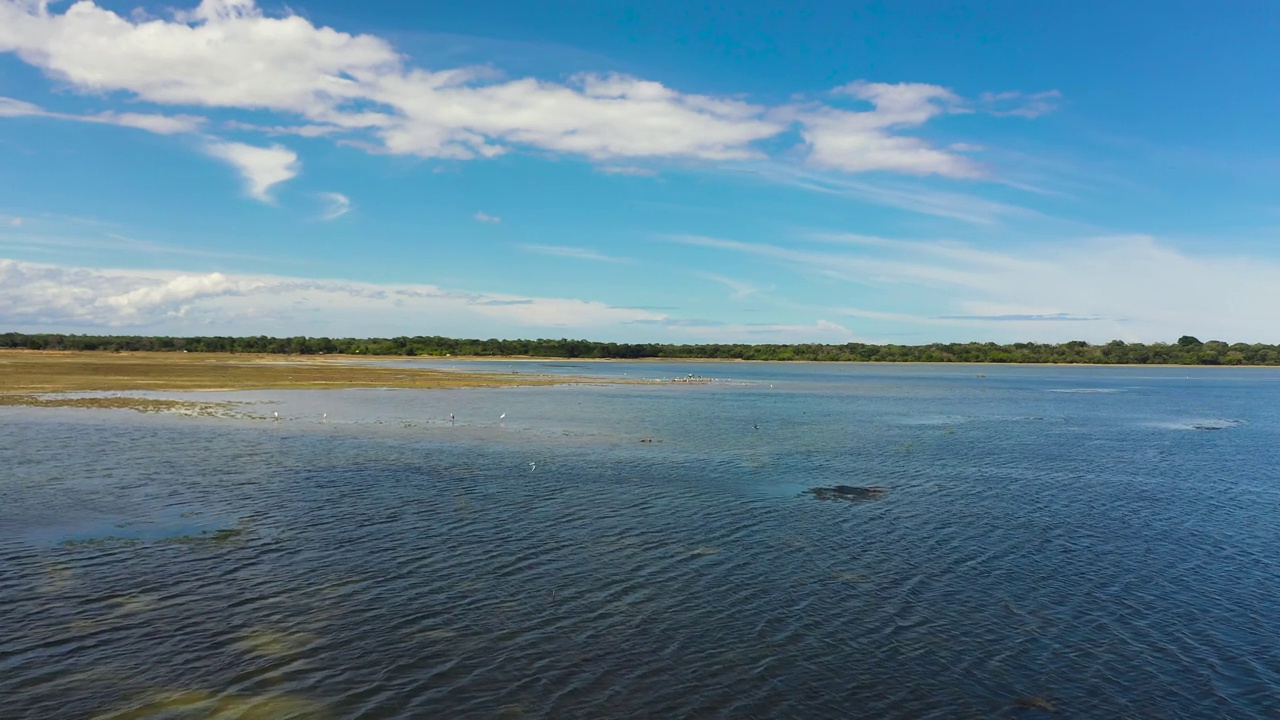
1077	289
1026	105
1051	317
741	290
261	167
61	239
11	220
487	218
626	170
716	331
338	205
156	123
916	198
573	252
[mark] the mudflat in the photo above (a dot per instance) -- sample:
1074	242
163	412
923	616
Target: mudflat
30	372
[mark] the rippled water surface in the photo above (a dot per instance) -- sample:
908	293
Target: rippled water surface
1099	542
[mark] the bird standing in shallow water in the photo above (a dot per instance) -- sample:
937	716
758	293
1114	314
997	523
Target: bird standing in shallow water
503	416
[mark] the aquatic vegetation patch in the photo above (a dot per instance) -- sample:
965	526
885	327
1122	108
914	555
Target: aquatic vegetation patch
855	578
1034	702
274	643
849	493
205	704
204	538
102	542
222	536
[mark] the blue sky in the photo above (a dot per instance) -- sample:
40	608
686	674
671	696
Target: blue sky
659	171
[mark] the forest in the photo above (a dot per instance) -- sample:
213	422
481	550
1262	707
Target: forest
1186	350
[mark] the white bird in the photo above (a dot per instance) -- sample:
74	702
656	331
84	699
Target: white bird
276	415
533	466
503	416
324	417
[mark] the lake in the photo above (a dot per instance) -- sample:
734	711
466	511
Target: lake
1049	542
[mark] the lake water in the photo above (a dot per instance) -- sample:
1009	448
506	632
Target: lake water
1099	541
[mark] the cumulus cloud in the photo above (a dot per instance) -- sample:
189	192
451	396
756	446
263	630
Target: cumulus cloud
487	218
261	167
75	298
863	140
229	54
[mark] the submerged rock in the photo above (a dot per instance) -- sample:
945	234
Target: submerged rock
1214	424
852	493
1034	702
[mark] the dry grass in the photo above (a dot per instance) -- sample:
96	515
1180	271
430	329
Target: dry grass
26	373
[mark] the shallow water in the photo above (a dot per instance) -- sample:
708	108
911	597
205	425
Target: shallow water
1100	540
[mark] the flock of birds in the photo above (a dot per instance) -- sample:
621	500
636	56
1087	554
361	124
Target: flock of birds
324	417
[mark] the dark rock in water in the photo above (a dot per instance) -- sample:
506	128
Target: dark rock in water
1215	424
852	493
1034	702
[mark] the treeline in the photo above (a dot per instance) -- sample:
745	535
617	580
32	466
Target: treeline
1186	351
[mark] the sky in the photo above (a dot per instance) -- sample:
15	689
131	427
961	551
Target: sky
652	171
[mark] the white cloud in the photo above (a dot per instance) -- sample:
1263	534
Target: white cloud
1018	104
965	207
487	218
573	252
160	124
11	221
53	297
741	290
823	331
862	141
1082	289
228	54
261	167
339	205
626	170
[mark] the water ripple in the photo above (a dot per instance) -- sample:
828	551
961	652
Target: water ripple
162	568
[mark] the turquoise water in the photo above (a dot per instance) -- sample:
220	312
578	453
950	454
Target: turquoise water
1101	541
